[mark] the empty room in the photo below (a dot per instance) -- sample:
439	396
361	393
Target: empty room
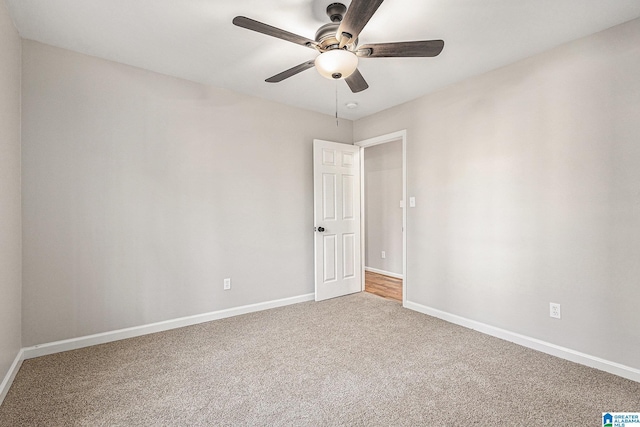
319	213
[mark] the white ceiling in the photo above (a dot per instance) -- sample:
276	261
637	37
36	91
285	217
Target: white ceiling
195	40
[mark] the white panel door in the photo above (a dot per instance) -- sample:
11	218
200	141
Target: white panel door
336	180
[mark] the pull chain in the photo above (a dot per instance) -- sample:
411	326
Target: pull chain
336	103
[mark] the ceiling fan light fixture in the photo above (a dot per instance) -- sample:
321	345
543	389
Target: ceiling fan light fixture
336	64
338	44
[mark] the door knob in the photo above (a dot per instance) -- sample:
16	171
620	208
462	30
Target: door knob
320	229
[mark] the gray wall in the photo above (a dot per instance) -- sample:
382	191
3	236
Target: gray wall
10	228
142	192
527	183
383	214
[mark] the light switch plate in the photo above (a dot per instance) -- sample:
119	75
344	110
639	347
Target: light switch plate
412	202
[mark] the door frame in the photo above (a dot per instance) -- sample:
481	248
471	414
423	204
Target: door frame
382	139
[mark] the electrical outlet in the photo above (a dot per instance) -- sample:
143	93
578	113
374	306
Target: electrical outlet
554	310
227	284
383	255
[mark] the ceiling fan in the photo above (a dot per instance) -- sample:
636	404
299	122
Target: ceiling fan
337	43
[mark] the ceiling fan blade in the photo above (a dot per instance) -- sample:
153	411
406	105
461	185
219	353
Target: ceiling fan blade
250	24
357	16
356	82
425	48
291	72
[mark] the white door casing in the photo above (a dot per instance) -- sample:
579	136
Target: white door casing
382	139
337	240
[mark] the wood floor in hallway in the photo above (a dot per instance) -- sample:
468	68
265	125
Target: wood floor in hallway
384	286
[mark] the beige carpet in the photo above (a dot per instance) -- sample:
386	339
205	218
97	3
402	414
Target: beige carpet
359	360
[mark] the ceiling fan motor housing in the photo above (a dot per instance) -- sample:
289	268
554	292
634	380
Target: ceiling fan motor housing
326	37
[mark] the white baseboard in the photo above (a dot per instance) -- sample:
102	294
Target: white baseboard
386	273
533	343
8	379
136	331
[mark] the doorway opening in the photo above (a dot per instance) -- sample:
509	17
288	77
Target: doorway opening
383	181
